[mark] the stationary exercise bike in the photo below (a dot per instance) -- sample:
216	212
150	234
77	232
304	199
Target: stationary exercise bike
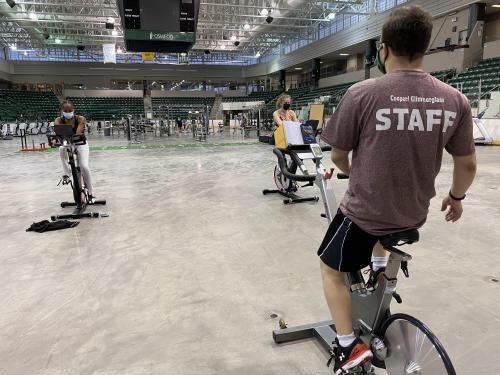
294	156
66	138
287	184
400	343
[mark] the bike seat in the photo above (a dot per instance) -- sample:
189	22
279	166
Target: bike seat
400	238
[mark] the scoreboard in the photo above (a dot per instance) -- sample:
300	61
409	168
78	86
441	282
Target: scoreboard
159	25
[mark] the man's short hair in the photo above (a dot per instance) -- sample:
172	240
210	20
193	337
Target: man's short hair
408	31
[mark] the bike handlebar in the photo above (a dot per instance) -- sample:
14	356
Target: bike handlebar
75	139
287	173
297	177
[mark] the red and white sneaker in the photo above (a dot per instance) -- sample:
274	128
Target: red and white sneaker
351	357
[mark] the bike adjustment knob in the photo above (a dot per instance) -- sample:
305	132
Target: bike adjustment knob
404	268
397	297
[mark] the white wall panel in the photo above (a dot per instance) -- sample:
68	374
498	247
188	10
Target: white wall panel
491	49
127	71
342	78
104	93
190	94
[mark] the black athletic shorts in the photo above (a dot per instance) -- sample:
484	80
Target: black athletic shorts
346	247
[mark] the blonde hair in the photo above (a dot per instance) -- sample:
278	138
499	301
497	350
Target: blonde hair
281	100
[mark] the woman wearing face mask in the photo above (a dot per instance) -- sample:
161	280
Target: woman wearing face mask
69	118
283	111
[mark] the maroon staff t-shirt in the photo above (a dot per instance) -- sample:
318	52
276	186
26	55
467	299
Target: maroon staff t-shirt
397	127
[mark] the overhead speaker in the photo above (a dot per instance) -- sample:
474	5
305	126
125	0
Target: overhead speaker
110	26
11	3
80	48
269	19
206	52
236	44
46	36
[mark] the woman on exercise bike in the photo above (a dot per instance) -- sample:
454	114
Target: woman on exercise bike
283	111
68	118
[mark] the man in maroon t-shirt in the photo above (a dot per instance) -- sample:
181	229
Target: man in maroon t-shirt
396	127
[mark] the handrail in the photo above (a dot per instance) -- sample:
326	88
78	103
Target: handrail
485	93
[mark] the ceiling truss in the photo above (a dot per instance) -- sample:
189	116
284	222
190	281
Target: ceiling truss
237	26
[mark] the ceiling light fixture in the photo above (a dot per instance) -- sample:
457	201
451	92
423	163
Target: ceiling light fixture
110	20
257	55
495	6
13	47
119	50
114	33
33	16
264	12
343	54
25	53
233	38
298	68
58	41
246	26
331	16
223	46
11	3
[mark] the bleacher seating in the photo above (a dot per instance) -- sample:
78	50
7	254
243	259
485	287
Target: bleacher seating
265	96
232	99
298	92
487	71
29	105
256	96
335	92
104	108
304	96
180	106
444	75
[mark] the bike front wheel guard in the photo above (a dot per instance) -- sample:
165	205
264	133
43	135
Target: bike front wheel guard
412	349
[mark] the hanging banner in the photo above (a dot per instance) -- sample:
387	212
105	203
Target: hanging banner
148	56
109	52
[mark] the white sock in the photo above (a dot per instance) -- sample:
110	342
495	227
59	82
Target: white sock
378	263
346	340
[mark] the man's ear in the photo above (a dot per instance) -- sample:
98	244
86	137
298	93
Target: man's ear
386	49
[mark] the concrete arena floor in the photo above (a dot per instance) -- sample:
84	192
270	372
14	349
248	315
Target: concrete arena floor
183	276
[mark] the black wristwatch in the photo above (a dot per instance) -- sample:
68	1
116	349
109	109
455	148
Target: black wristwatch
455	198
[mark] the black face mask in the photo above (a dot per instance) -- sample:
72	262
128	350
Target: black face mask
286	106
